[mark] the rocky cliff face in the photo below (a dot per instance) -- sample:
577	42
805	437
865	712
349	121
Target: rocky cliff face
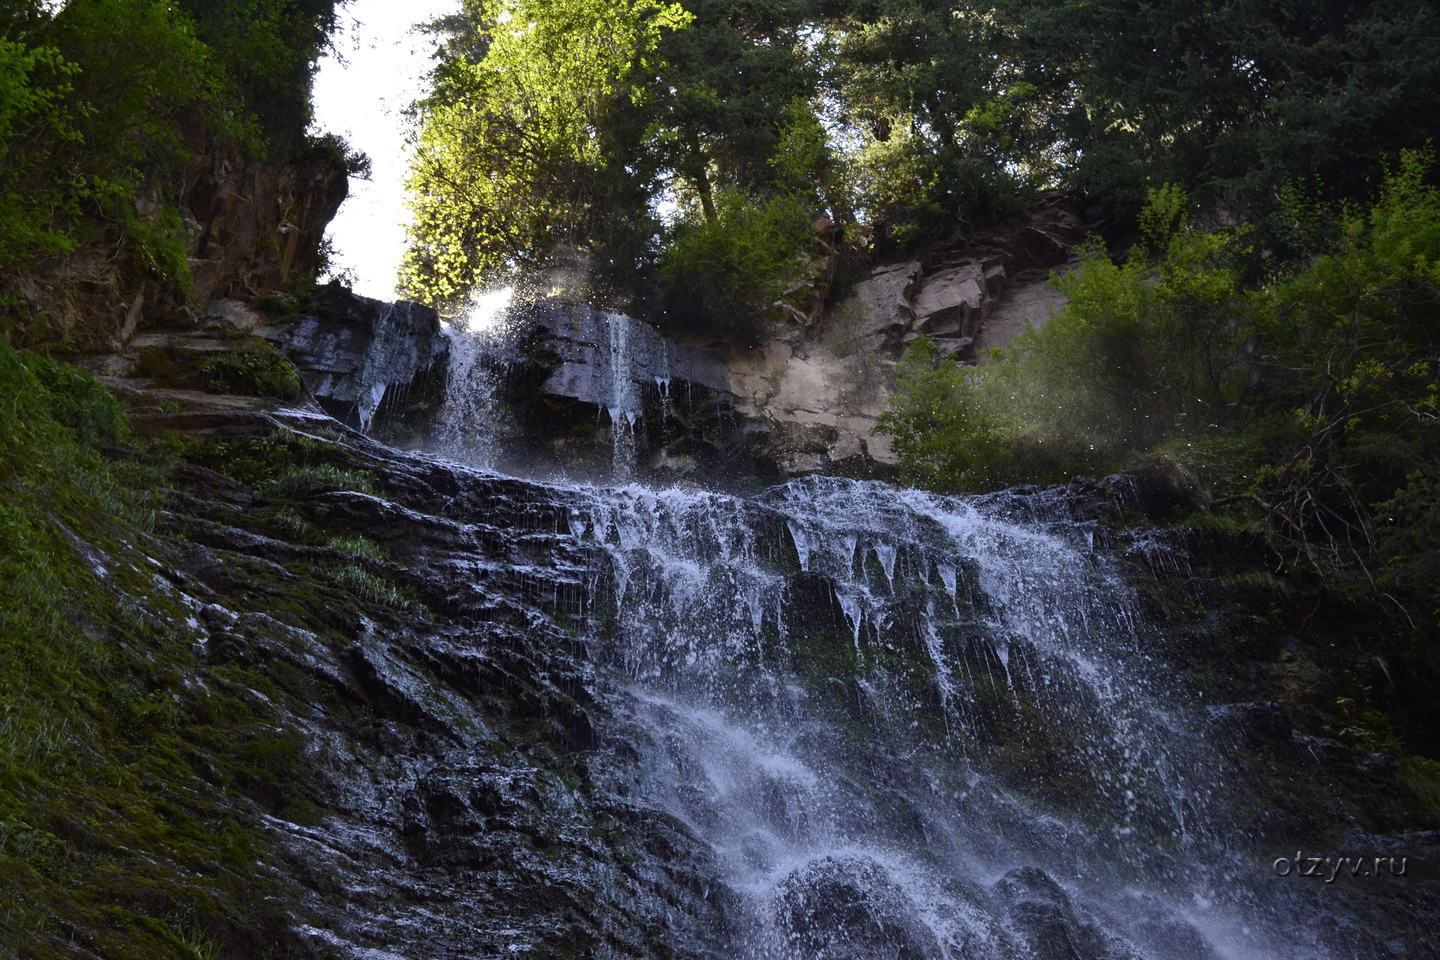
489	717
562	388
553	388
253	226
249	227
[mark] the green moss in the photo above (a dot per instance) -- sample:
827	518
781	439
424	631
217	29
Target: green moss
1422	776
122	785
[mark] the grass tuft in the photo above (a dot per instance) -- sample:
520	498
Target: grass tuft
369	588
303	481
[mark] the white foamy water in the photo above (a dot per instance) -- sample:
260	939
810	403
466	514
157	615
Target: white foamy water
906	724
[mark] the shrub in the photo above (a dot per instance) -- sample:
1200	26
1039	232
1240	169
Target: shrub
253	373
1142	353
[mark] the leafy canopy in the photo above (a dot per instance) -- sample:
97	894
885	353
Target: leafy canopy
615	130
510	157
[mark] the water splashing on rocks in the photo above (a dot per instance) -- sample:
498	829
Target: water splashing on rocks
911	726
482	349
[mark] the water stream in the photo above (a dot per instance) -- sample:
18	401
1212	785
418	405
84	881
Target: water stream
911	726
481	351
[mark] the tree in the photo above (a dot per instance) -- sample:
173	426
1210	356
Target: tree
933	118
105	100
514	152
1234	99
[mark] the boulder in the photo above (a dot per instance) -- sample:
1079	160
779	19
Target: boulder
607	359
235	315
848	908
357	356
881	303
953	301
1041	913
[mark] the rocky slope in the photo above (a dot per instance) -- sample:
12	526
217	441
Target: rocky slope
552	387
831	721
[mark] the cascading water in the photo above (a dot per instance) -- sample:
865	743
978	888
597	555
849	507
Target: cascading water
911	727
905	726
622	400
480	350
833	721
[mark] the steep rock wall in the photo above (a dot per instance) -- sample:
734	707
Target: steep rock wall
250	226
835	720
611	393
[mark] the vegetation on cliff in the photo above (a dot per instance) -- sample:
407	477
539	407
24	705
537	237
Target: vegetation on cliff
711	148
1298	415
95	733
105	101
1318	388
916	121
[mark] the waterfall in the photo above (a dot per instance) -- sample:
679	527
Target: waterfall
662	377
622	400
925	727
480	350
871	722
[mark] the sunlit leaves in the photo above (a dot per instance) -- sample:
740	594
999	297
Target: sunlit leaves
509	148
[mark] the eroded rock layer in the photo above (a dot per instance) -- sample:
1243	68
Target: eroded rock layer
834	720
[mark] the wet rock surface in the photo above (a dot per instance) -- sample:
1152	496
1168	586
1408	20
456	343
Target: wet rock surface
373	365
831	721
850	910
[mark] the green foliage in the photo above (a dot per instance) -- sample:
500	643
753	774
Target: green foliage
33	86
1310	406
1409	534
303	481
157	244
259	372
509	161
736	268
356	547
104	102
100	96
268	50
944	133
370	588
77	402
912	121
1422	776
1140	355
1231	100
